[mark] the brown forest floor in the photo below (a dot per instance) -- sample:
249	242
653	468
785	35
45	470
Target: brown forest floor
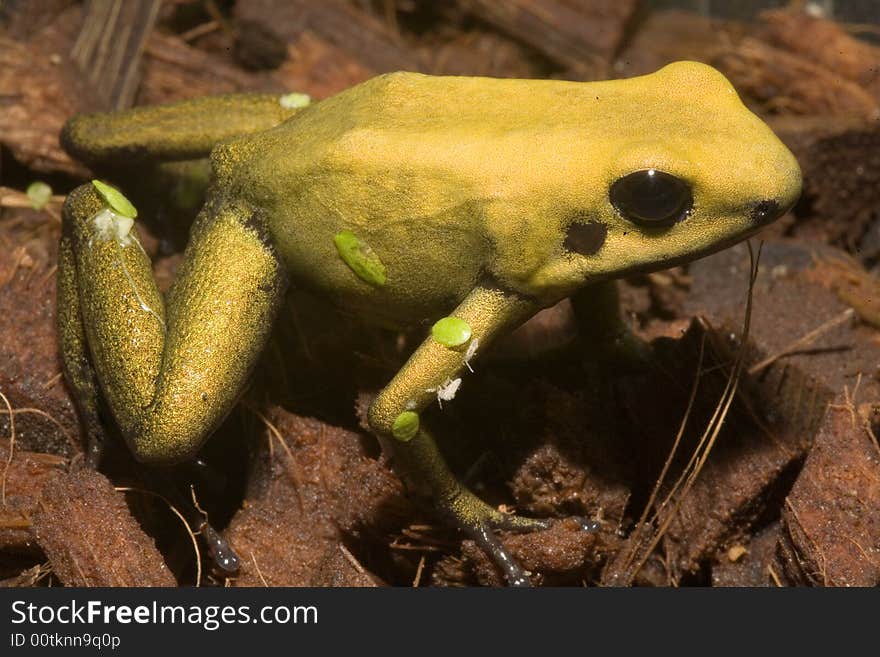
788	493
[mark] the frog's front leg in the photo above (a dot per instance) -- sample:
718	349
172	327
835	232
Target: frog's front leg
396	415
607	340
169	372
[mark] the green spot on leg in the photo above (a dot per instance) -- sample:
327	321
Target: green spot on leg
115	199
294	100
451	331
406	426
38	194
360	257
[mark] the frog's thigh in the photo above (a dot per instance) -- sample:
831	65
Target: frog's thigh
170	373
396	415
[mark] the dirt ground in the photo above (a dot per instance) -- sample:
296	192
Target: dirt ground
781	488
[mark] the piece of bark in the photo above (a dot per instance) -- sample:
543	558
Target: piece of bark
840	160
90	537
37	98
775	81
43	88
257	48
361	35
311	486
826	43
23	19
112	65
753	563
319	68
480	52
22	479
832	516
792	298
45	418
580	36
765	435
174	70
673	35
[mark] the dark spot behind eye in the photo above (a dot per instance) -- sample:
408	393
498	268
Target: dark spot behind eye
585	239
764	212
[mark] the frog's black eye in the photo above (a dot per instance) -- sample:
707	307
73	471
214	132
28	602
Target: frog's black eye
651	197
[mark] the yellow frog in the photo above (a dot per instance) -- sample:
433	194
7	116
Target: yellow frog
464	203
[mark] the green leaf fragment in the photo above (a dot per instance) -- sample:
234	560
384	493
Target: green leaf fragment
406	426
451	331
360	258
294	100
38	194
115	199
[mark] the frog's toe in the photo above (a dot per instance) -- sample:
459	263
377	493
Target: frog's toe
483	536
514	523
479	521
222	554
587	524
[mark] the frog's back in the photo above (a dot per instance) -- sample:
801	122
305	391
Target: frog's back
411	119
401	160
484	136
405	161
447	178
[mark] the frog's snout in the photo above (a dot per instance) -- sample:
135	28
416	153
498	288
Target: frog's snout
765	212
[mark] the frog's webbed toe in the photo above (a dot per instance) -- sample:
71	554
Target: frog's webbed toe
479	521
514	574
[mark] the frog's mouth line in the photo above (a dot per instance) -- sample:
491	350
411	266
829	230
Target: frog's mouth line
674	261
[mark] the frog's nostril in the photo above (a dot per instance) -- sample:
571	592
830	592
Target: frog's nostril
764	212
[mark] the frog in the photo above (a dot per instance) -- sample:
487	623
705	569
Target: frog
460	206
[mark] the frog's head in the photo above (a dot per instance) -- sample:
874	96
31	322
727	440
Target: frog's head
667	168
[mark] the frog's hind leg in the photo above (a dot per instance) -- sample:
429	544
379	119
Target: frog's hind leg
160	153
395	415
169	372
186	130
76	360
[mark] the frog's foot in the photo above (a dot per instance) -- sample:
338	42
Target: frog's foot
222	554
479	520
176	485
514	574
